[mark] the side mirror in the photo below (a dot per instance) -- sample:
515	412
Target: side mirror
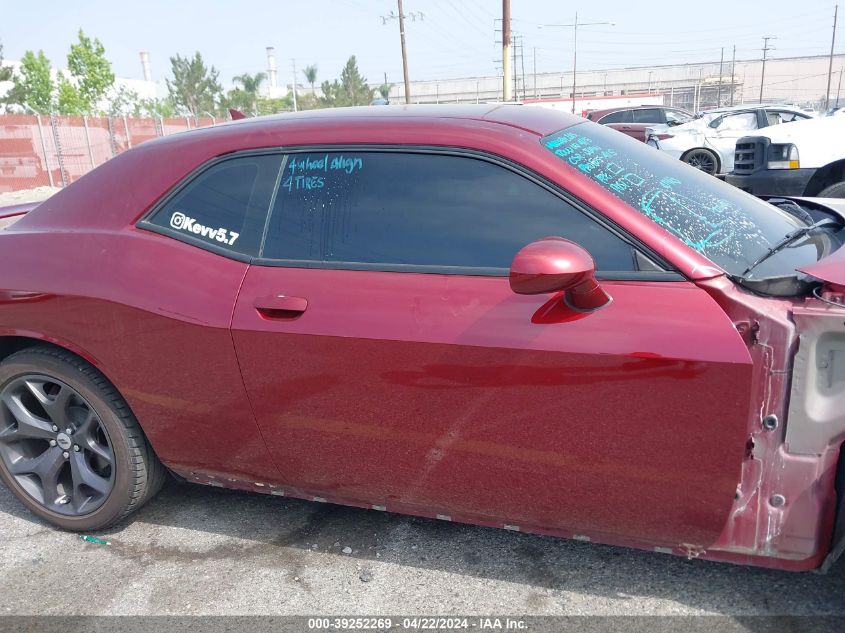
554	264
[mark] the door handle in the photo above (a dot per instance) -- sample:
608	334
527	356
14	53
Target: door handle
281	306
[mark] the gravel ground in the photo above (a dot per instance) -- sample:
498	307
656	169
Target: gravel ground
198	550
28	195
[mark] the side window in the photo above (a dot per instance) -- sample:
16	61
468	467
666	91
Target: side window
783	116
647	115
677	117
422	209
224	206
623	116
737	122
775	118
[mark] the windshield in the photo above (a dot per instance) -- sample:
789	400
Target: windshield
726	225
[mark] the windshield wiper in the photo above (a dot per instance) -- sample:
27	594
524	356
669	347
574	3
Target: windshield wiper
788	239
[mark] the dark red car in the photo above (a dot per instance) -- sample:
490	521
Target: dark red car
491	314
634	120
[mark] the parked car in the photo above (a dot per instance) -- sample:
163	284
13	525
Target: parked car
497	315
708	142
634	121
795	160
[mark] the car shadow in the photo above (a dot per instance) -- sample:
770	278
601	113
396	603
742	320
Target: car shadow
282	533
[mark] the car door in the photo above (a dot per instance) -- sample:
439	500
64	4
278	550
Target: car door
388	362
723	133
643	118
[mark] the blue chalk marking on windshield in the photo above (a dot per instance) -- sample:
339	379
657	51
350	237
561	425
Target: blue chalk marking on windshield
653	195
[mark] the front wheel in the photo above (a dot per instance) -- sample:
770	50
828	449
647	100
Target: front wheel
70	448
833	191
702	159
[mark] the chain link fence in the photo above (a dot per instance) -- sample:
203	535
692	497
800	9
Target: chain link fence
54	151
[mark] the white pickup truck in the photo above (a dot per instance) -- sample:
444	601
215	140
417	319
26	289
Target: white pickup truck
805	158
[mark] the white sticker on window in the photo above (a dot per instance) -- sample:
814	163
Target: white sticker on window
182	222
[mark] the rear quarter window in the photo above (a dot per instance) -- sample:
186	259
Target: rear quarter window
623	116
225	206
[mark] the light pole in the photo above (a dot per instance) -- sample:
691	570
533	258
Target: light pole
574	26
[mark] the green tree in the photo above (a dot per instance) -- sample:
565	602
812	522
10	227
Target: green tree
153	108
307	102
266	105
238	99
5	71
122	101
351	90
250	85
87	63
384	90
70	100
194	87
34	86
310	73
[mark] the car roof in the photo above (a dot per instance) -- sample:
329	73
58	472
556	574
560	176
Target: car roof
165	161
538	120
593	113
751	107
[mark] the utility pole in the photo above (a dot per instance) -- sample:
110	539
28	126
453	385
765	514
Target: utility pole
536	95
733	75
839	88
404	54
401	18
574	26
515	94
507	88
522	63
574	58
293	61
719	93
766	49
830	65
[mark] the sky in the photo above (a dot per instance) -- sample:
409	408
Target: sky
452	38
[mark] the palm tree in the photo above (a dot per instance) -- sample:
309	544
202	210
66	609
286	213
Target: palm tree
310	73
384	90
251	85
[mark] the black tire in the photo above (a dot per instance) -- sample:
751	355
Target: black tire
134	472
702	159
833	191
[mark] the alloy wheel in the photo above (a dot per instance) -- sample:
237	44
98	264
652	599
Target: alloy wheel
703	161
54	445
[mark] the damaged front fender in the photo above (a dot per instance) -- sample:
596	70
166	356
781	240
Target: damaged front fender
786	500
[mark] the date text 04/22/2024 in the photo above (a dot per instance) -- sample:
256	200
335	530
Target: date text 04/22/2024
418	623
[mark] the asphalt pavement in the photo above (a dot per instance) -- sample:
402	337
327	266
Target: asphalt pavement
200	550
